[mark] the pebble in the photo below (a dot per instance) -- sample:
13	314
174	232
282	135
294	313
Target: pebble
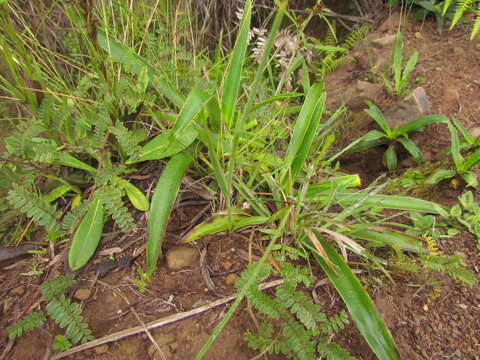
82	294
230	279
181	257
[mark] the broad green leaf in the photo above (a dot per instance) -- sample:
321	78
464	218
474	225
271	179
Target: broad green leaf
389	202
397	61
439	175
312	106
309	135
163	198
410	146
87	236
371	139
455	148
360	306
221	223
232	81
181	136
471	160
409	66
137	65
59	191
377	115
69	160
420	123
135	195
390	158
389	237
338	182
470	178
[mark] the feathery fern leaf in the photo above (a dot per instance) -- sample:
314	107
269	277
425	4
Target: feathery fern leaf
27	323
335	323
56	286
68	314
112	200
72	219
332	351
35	207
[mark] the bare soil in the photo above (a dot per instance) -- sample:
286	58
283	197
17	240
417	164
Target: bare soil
424	325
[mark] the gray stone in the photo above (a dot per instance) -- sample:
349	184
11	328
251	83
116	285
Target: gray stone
385	41
181	257
355	96
410	108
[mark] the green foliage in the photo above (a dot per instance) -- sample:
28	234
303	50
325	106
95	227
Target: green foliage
67	314
56	287
25	324
391	136
401	73
451	265
304	326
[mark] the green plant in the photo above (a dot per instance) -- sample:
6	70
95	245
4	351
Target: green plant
391	136
65	312
401	74
304	330
467	213
462	165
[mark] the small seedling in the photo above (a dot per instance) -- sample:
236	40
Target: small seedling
463	165
401	75
391	136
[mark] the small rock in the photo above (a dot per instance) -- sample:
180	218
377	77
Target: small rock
181	257
227	265
418	35
355	96
385	41
82	294
475	132
18	291
410	108
102	349
230	279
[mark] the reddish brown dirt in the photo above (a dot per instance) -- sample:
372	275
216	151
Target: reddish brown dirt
424	326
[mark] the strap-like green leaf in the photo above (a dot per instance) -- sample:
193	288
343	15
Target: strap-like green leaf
232	81
163	199
377	115
359	304
390	158
439	175
410	146
389	237
371	139
419	123
135	195
87	236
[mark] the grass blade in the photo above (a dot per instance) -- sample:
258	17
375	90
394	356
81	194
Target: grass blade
181	136
87	236
219	223
377	115
371	139
410	146
231	85
397	62
455	148
389	237
439	175
419	123
409	66
472	160
359	304
390	158
163	198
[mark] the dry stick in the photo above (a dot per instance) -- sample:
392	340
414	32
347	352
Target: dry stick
156	323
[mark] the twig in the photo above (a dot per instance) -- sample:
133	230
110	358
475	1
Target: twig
157	323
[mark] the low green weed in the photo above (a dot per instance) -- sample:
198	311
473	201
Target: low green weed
401	73
391	136
65	313
463	165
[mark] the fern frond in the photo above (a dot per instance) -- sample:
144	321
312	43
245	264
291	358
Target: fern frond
333	351
262	339
112	200
451	265
307	312
128	140
296	274
56	286
263	273
68	314
35	207
264	303
102	121
27	323
355	36
462	7
335	323
297	341
446	6
432	246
